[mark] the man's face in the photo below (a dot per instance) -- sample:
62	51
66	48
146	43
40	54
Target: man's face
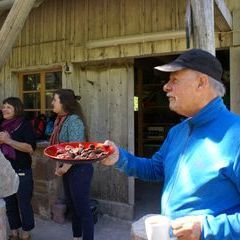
183	92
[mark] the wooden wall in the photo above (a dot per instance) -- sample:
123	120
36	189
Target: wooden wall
61	31
107	101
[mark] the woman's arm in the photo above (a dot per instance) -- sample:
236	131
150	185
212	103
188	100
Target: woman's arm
20	146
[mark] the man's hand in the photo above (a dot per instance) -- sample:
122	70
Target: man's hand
113	158
187	228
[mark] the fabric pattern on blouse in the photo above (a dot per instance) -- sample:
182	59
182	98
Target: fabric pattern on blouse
72	130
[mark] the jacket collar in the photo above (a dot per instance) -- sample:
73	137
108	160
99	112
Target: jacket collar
208	113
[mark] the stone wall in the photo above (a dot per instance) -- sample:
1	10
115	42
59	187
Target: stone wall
45	182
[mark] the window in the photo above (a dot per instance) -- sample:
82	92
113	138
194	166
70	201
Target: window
37	89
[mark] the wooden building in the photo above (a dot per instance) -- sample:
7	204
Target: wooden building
105	51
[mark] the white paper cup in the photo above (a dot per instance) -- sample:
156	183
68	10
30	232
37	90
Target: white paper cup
158	228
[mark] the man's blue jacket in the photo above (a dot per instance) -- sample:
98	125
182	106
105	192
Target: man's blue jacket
200	164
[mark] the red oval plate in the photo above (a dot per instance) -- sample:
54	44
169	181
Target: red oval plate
52	150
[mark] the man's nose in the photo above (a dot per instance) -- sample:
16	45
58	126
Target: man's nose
166	87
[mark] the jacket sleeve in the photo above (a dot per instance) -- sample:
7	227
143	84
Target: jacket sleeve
147	169
225	226
9	179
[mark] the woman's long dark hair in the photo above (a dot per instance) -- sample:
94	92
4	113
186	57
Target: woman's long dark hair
70	103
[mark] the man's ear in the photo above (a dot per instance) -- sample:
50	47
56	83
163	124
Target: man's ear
203	81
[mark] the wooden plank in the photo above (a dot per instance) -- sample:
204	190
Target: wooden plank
113	18
138	38
180	13
80	22
45	23
164	15
161	47
236	27
147	11
132	24
154	14
140	111
54	30
122	17
203	25
131	127
95	19
235	79
71	11
223	17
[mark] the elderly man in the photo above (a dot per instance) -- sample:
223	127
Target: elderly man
200	158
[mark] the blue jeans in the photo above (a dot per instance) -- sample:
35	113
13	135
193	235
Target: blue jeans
18	206
77	183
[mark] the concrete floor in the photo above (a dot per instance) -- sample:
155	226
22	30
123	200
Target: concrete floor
107	228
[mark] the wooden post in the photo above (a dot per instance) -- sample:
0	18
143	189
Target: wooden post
13	26
234	66
203	25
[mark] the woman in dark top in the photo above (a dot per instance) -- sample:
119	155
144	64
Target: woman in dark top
17	142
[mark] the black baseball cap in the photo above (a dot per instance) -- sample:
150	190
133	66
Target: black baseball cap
198	60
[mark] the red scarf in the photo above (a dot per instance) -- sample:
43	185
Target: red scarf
54	139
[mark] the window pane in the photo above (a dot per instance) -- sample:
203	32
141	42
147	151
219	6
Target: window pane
48	99
53	80
31	82
31	100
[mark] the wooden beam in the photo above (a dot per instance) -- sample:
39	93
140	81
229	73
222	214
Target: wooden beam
13	26
223	17
138	38
203	25
7	4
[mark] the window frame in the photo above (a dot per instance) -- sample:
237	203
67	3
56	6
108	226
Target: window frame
41	91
